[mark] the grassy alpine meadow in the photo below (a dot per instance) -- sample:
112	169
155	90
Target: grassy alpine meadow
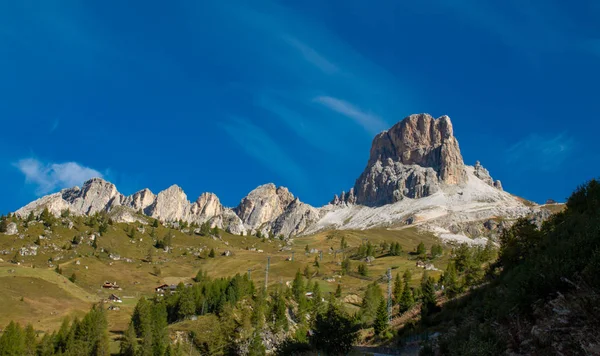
50	273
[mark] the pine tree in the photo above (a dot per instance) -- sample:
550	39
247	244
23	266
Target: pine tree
47	218
397	292
334	331
406	300
298	287
306	271
147	342
256	347
421	251
3	225
186	305
160	335
278	311
155	223
215	231
343	243
316	263
200	276
428	293
338	291
381	319
450	281
370	302
406	276
362	269
211	254
436	250
12	341
129	342
345	266
30	341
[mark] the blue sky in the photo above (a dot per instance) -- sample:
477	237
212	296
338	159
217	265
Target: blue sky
223	96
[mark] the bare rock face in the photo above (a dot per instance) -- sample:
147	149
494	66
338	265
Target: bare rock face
231	222
411	160
296	218
54	202
344	199
484	175
140	200
170	205
208	204
263	205
96	195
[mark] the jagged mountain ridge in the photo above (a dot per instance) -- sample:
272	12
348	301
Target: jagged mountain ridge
266	209
415	175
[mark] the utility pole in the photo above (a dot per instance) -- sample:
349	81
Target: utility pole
321	255
267	272
249	274
389	301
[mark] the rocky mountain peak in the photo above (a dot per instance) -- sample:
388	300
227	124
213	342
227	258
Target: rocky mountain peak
424	141
411	159
263	204
208	204
140	200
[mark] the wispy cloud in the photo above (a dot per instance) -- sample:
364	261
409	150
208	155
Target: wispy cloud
370	122
48	177
262	147
312	56
54	126
541	152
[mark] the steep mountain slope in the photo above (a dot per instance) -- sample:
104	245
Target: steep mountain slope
415	175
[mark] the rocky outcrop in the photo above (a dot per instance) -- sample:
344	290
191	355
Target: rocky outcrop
11	229
170	205
296	218
263	205
344	199
483	174
140	200
412	159
96	195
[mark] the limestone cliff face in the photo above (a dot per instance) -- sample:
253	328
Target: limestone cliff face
296	218
170	205
263	205
140	200
411	160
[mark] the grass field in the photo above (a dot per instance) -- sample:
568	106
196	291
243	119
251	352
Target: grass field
48	296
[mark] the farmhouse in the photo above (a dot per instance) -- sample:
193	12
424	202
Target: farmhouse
109	285
113	298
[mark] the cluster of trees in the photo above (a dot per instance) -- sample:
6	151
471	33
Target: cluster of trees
206	230
395	249
533	266
3	223
166	241
467	268
365	250
88	336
